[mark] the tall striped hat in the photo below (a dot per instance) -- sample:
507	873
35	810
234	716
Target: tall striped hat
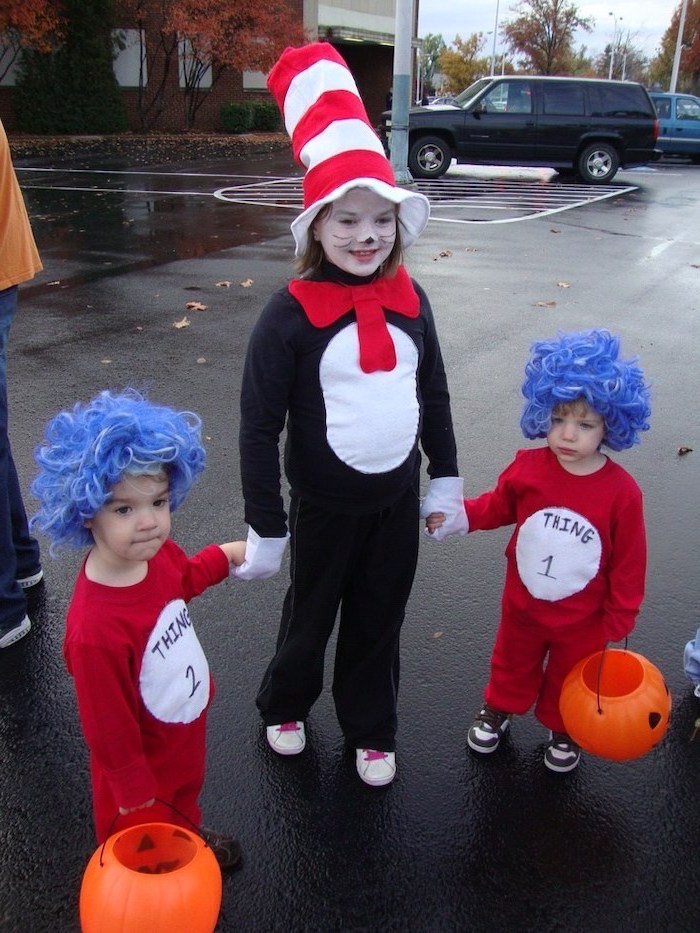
334	140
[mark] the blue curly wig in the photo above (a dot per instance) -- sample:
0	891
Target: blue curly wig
586	366
87	451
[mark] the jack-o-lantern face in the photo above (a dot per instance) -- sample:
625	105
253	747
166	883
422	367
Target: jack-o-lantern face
615	704
150	878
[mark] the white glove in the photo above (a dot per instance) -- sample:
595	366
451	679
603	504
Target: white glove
263	557
446	494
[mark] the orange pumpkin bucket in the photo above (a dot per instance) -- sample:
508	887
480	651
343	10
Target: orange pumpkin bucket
615	704
152	878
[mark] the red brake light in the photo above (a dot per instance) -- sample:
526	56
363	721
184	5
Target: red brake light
656	130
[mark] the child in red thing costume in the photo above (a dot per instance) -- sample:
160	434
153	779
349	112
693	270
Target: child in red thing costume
110	474
576	561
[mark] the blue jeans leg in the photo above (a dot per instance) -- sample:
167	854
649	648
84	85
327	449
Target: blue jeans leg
19	552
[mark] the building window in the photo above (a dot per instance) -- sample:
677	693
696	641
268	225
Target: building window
130	51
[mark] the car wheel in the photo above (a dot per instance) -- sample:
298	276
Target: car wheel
429	157
598	163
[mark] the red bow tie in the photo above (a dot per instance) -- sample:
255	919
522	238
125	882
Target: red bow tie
325	302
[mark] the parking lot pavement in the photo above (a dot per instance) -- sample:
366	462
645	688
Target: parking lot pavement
456	844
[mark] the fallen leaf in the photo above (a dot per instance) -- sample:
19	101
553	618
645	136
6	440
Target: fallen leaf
443	254
223	285
246	283
684	450
105	361
183	323
554	230
195	306
201	359
437	634
545	304
564	284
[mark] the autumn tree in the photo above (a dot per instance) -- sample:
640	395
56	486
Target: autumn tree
689	67
463	64
542	34
201	39
27	24
432	49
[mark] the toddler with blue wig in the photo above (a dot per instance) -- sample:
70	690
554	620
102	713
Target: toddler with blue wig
576	561
110	473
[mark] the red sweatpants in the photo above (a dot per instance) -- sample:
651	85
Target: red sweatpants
530	661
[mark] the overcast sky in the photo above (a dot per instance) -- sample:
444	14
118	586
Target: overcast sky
646	21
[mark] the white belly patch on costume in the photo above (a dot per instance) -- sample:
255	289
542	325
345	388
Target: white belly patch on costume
371	418
174	679
558	553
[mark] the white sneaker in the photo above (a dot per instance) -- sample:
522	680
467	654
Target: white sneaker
288	738
19	631
374	767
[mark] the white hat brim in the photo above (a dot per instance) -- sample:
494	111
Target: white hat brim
414	210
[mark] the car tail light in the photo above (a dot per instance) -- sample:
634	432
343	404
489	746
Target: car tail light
656	130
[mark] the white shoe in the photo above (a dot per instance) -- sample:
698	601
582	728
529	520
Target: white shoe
374	767
19	631
287	738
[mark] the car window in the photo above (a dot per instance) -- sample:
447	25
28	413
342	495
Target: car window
687	109
509	97
663	107
565	99
469	93
618	100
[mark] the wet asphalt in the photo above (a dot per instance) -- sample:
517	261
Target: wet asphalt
457	843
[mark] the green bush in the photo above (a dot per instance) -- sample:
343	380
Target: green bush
266	116
73	89
236	117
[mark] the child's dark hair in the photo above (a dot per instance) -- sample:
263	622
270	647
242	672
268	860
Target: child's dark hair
586	366
87	451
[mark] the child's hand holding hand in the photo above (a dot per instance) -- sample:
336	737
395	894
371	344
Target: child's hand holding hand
235	551
434	521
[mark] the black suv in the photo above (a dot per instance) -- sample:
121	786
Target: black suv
591	126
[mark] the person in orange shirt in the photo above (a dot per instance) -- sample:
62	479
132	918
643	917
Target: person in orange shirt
20	562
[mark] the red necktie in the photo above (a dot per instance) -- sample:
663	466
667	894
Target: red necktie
325	302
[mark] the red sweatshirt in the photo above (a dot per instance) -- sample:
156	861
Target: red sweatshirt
579	545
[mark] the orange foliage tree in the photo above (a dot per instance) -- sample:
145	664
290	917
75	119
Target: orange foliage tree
205	38
35	24
542	33
689	68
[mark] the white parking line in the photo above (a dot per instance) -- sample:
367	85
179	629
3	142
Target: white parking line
454	199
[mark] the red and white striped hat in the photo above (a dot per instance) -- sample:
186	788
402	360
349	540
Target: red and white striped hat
334	140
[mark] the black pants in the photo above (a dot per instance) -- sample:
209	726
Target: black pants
363	565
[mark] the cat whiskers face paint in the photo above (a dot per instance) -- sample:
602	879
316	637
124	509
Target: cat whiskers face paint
358	232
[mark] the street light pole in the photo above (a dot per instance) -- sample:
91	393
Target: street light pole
679	47
612	47
495	39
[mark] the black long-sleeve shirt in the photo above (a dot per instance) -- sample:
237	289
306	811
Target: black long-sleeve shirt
352	442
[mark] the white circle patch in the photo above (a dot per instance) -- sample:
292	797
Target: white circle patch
174	677
557	552
371	418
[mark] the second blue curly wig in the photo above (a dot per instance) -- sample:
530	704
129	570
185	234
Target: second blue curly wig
87	451
586	366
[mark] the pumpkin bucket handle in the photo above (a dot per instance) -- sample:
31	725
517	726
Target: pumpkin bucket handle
600	674
166	803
